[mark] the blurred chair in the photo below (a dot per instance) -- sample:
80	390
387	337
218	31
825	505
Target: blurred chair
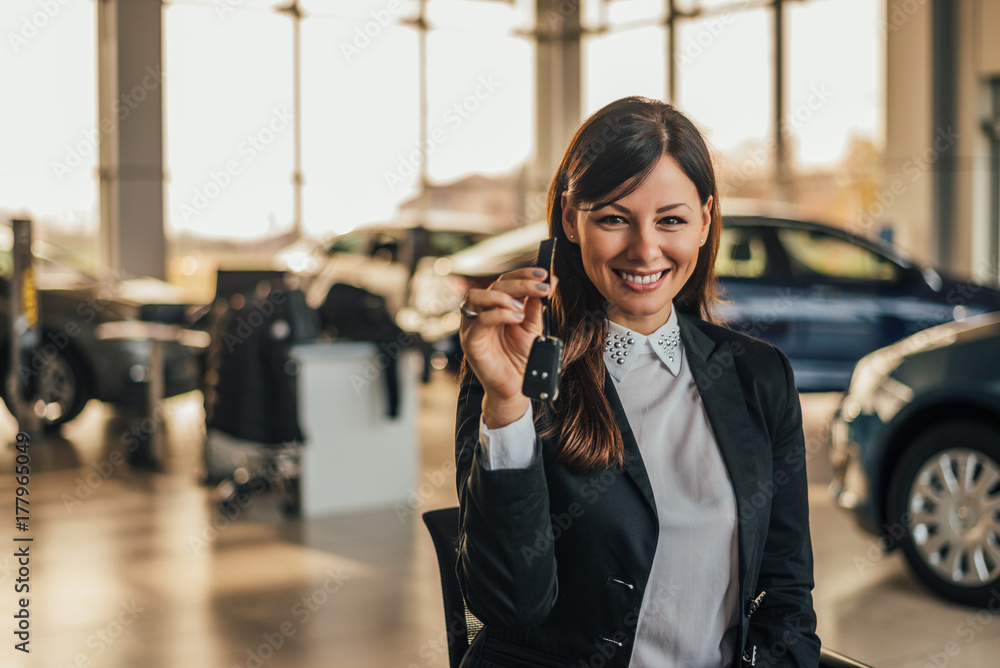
250	390
462	626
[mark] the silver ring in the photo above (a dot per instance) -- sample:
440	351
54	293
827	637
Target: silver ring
471	315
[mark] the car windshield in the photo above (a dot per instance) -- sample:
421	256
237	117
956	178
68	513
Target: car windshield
54	266
742	254
814	253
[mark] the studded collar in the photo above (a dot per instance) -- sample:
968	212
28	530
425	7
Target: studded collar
623	346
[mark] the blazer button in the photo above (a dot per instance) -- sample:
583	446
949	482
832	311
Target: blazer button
614	580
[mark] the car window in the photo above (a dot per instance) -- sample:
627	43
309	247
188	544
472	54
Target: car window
353	242
813	253
742	254
386	247
446	242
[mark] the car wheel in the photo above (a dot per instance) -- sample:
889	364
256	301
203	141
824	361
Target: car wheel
61	386
945	498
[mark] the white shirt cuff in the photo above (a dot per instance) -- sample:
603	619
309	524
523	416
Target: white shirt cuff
511	446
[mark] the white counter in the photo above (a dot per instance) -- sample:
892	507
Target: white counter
355	456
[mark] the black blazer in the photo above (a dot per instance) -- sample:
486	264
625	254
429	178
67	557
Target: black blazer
555	564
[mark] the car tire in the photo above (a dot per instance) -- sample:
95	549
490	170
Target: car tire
61	384
944	509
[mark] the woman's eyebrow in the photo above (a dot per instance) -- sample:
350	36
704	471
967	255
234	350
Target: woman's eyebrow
668	207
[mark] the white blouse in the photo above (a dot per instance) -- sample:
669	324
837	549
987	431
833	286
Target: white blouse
689	617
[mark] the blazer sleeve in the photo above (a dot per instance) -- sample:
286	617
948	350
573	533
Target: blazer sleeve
506	573
783	628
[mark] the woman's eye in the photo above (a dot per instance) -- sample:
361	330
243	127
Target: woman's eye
612	220
673	221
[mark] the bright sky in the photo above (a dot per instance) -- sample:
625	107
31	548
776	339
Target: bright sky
228	99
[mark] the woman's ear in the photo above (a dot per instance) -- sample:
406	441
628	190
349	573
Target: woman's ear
706	218
569	218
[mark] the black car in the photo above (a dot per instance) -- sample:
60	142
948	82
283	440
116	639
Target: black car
916	454
824	296
95	339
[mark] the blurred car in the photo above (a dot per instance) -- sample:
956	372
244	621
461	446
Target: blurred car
824	296
94	336
916	454
381	258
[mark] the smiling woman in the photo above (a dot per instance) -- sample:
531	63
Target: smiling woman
652	570
638	254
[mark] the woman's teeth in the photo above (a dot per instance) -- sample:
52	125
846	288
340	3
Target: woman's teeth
641	280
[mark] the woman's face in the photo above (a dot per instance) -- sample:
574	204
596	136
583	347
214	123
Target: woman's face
640	250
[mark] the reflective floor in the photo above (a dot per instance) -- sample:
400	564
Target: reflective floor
131	569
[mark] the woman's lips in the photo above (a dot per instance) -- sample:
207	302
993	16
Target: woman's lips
641	282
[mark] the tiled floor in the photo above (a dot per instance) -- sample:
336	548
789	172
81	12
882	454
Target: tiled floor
132	569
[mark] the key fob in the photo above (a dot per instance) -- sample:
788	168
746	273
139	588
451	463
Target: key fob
541	375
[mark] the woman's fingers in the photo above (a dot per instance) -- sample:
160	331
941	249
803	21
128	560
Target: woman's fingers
482	301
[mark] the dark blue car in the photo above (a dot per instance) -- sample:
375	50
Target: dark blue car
824	296
827	297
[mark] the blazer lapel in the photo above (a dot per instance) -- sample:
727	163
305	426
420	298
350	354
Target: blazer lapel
634	468
714	370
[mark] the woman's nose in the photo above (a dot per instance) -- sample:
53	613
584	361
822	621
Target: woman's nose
644	246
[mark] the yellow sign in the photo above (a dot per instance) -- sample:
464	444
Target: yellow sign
29	298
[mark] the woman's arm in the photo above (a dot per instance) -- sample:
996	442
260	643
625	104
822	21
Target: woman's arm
507	582
783	628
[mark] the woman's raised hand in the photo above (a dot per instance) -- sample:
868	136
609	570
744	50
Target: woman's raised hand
497	339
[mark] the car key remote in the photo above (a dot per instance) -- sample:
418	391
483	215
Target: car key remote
541	375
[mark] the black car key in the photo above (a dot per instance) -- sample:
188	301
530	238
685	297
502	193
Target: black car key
541	375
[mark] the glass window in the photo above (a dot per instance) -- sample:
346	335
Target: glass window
49	135
742	254
228	120
830	100
815	253
355	242
725	85
610	66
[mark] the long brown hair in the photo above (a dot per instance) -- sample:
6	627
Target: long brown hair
609	157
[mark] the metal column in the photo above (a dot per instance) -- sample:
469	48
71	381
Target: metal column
557	85
130	125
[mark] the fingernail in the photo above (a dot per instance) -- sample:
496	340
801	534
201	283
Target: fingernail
518	304
541	286
538	273
519	315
